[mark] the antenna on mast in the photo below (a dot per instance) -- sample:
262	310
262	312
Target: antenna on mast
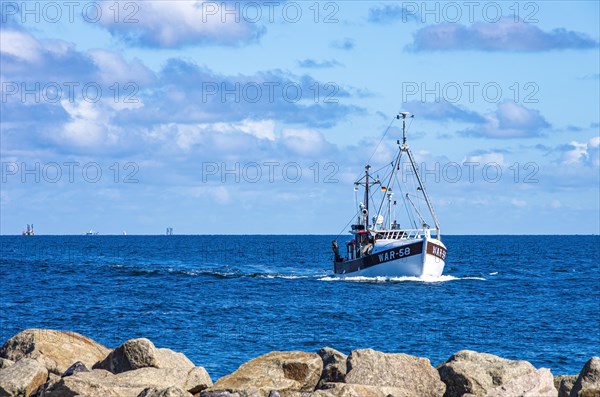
404	115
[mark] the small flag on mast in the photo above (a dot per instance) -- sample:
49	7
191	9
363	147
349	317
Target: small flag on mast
383	188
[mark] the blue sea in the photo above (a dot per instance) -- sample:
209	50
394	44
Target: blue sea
223	300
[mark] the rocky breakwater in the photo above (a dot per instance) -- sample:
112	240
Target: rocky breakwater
47	363
65	364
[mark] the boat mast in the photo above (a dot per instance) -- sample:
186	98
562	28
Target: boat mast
406	149
404	114
389	195
367	167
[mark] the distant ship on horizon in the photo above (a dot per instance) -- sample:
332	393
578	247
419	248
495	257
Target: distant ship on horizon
29	231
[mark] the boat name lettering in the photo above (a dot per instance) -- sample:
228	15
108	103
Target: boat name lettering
394	254
436	250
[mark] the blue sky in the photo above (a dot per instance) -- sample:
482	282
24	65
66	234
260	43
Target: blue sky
256	117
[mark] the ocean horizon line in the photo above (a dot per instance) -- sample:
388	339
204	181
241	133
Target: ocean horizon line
279	234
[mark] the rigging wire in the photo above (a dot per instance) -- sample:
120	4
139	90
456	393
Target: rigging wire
417	170
420	197
409	124
408	212
347	224
415	190
411	216
373	172
394	165
356	197
381	140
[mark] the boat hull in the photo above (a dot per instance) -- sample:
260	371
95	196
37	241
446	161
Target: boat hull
416	258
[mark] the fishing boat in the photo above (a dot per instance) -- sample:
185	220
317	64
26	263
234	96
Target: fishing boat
380	246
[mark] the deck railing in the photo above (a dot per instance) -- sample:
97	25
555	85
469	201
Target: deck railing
404	234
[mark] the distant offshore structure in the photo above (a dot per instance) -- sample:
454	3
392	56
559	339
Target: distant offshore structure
169	231
29	231
91	233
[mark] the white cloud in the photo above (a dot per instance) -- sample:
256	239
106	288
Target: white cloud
248	139
582	152
262	129
502	35
510	120
185	22
20	45
485	158
576	153
186	135
511	115
443	110
224	136
26	47
113	68
304	142
89	125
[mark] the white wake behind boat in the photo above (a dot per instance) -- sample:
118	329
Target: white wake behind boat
380	247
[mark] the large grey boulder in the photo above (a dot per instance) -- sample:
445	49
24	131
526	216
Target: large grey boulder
193	380
168	392
22	378
141	353
133	354
470	372
95	383
588	381
334	365
221	393
564	384
354	390
275	371
409	375
539	383
56	350
168	358
102	383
